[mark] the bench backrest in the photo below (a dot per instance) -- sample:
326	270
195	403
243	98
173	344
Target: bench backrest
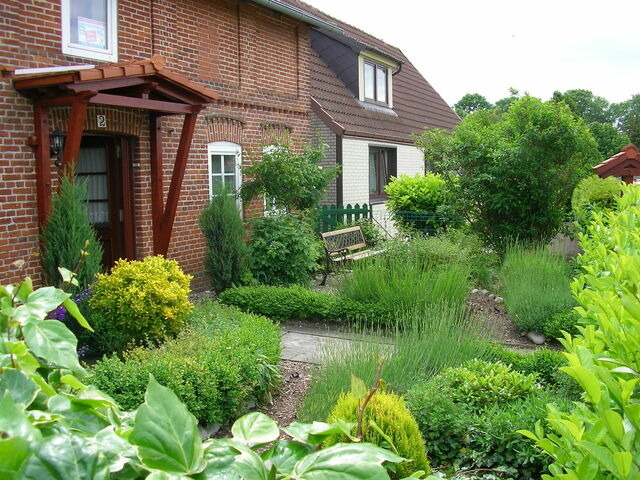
349	239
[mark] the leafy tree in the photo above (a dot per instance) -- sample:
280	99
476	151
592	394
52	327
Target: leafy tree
226	257
470	103
586	105
627	115
513	178
68	239
504	103
295	181
609	139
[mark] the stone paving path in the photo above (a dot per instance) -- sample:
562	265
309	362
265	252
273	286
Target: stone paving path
306	343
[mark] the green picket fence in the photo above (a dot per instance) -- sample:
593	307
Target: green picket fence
329	216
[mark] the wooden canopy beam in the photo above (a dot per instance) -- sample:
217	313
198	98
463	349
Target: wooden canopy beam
169	214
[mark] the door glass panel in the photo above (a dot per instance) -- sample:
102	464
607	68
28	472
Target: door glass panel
98	213
92	170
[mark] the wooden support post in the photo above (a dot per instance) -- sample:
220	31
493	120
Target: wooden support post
157	203
176	182
43	162
74	130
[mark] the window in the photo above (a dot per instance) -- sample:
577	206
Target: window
89	29
375	82
225	159
382	166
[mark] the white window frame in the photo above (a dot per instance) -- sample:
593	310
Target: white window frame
109	54
379	60
225	148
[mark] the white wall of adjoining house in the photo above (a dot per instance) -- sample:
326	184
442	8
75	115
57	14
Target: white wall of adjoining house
355	172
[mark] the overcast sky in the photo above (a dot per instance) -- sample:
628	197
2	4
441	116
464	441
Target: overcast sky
487	46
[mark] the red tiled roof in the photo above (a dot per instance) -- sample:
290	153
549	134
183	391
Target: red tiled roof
627	155
415	101
154	66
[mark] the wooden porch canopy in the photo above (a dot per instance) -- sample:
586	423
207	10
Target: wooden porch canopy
625	164
143	85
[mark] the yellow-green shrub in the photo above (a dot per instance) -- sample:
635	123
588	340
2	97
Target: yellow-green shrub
145	300
394	418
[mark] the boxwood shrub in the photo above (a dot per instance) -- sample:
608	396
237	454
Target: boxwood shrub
297	302
216	365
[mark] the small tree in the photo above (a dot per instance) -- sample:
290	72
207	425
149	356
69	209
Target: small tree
226	256
512	177
295	181
68	239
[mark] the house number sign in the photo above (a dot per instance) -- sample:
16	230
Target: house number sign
101	121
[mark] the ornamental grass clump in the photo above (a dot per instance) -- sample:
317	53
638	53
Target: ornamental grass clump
402	280
424	342
535	285
145	301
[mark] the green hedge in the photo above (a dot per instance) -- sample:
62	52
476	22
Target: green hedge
220	362
285	303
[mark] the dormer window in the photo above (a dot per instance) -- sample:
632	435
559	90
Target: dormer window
375	79
375	82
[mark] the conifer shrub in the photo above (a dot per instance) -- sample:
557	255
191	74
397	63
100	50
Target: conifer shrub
145	301
394	419
68	233
226	256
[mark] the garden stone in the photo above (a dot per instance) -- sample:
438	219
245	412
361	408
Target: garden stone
474	291
208	431
499	300
484	292
492	296
536	338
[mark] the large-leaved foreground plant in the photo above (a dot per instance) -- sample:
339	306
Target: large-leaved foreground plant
600	439
55	427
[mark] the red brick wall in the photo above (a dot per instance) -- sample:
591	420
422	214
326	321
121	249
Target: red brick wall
256	59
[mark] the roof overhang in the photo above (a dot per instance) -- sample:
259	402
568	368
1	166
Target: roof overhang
144	84
622	164
298	14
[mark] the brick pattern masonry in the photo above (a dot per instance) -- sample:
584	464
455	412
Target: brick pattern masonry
256	59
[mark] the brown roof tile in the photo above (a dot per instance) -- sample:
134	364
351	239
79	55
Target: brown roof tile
415	101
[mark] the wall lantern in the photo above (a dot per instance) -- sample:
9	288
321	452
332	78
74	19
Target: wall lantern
57	145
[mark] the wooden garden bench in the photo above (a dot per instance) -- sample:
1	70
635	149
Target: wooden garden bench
344	245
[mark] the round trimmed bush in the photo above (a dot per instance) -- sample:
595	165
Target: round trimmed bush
394	418
480	384
144	301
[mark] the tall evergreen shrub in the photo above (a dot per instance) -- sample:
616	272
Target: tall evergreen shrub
226	256
68	233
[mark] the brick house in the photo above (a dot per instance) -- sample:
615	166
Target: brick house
157	100
367	101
